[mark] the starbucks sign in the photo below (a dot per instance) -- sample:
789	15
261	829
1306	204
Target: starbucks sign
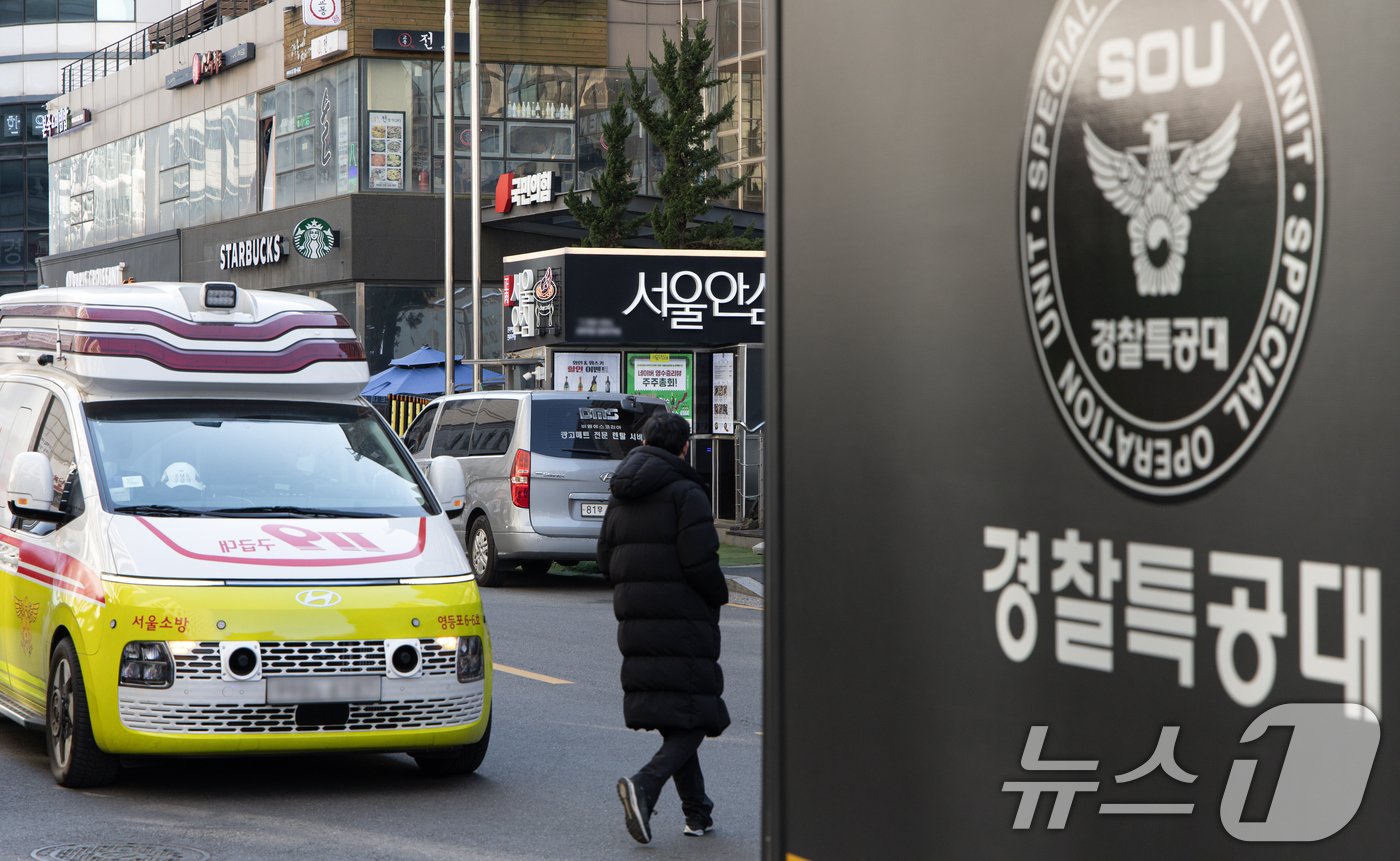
313	238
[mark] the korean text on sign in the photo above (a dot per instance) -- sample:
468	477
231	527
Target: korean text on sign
1160	620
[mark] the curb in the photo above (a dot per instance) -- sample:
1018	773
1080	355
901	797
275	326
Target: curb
746	586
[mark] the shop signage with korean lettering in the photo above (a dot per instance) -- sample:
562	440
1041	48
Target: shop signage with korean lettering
512	190
258	251
419	42
653	298
64	120
321	13
207	64
530	299
330	43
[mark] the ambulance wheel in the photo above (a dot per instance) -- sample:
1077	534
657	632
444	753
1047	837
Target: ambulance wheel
535	566
74	757
454	761
481	550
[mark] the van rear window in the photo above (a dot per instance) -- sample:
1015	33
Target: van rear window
602	429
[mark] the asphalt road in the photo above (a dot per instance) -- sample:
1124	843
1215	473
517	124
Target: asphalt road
545	791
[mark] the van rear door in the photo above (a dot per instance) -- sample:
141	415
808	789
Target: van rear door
576	444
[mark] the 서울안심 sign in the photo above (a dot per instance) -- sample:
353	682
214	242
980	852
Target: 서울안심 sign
682	299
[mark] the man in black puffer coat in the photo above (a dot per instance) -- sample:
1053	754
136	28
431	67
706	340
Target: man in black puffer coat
659	548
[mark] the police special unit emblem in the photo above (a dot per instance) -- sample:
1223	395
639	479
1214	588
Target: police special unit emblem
1171	204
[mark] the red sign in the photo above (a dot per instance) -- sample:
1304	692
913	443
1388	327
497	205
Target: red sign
508	292
503	201
206	65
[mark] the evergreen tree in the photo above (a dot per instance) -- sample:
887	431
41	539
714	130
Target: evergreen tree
607	221
682	131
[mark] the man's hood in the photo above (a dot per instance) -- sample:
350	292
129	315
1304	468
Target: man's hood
647	469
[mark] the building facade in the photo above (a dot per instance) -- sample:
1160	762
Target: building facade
216	156
37	38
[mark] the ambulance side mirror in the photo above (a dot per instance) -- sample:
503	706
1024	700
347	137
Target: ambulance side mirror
449	485
30	491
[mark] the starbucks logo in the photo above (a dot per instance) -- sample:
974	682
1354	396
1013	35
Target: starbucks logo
1171	204
313	238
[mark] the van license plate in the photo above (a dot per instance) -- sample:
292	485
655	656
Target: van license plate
594	509
335	689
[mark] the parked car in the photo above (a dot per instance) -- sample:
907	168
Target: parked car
537	466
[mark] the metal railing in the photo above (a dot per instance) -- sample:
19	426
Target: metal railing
185	24
748	474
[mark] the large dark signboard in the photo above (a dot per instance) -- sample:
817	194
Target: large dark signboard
1117	573
642	298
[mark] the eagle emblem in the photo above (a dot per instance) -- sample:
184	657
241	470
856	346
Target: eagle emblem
1159	197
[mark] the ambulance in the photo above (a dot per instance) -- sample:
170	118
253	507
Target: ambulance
212	545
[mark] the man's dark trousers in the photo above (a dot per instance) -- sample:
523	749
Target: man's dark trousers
679	760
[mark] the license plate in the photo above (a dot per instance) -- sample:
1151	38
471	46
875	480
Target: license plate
594	509
336	689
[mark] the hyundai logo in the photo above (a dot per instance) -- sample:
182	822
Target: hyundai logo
606	477
318	598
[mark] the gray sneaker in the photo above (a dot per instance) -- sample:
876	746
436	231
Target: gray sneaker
636	809
696	829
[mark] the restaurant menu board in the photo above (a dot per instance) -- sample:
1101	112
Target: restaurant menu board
666	376
386	150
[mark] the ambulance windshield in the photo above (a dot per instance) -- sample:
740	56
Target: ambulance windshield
250	459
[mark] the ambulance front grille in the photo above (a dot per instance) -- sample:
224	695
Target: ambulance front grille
314	657
211	718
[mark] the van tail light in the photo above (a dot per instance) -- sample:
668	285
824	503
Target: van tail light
520	480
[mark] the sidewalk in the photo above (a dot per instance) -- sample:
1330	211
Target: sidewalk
743	570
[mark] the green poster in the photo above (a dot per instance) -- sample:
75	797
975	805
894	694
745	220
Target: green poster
667	376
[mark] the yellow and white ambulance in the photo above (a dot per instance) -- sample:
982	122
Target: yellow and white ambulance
211	545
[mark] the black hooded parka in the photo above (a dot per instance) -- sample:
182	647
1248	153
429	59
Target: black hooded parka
659	548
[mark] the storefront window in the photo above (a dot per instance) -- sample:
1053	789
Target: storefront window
727	29
12	193
399	125
493	90
540	92
540	141
598	90
309	137
12	249
45	11
401	318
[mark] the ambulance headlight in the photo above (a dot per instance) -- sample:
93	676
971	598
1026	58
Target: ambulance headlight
146	665
471	660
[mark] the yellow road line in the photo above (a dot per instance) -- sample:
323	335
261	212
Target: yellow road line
745	607
526	674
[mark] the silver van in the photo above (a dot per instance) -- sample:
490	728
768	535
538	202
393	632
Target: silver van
537	465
